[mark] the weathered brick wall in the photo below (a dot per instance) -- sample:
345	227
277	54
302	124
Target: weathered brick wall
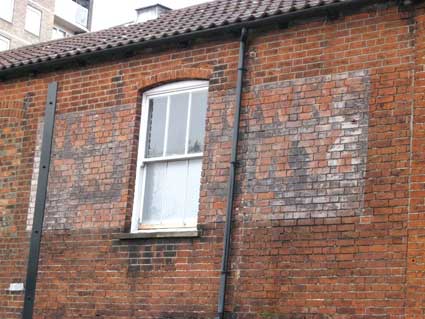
416	223
324	225
91	187
12	246
11	116
352	264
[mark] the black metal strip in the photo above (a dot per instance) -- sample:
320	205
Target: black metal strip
232	174
40	202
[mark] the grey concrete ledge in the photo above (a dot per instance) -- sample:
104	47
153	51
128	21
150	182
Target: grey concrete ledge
159	234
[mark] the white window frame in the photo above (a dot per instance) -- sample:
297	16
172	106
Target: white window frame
57	30
5	40
142	159
40	13
9	16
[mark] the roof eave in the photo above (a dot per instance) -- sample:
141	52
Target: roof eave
322	10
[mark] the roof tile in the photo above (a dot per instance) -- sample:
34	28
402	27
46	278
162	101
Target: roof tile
187	20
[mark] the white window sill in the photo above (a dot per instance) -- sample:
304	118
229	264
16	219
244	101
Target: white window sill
163	233
32	33
6	20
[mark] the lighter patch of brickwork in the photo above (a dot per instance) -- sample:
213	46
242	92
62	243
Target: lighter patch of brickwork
35	170
307	148
11	137
87	180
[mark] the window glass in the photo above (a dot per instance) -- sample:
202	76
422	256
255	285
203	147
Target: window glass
193	181
156	126
172	193
6	9
33	20
4	43
155	188
173	213
197	121
177	124
58	33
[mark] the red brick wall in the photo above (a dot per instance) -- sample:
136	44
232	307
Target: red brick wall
416	222
329	192
11	247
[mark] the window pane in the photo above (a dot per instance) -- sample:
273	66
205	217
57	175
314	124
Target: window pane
156	126
33	20
179	105
58	33
192	192
175	193
155	189
197	121
6	9
172	193
4	43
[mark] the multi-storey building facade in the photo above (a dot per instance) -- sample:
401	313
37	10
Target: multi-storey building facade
25	22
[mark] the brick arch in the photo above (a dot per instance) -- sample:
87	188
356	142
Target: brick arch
174	76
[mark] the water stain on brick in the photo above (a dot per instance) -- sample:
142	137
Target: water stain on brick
6	221
28	100
298	158
143	259
119	84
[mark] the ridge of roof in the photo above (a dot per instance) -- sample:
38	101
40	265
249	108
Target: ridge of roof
185	21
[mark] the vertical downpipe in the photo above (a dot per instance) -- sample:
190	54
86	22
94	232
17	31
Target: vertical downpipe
231	181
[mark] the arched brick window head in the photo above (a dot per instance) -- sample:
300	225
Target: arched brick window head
173	76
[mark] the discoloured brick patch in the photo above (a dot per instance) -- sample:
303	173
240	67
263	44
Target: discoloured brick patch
11	138
89	172
35	171
90	159
306	146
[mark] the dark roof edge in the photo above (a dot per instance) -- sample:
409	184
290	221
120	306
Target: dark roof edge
154	5
52	65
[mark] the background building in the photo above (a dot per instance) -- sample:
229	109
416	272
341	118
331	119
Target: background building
110	13
150	12
144	14
25	22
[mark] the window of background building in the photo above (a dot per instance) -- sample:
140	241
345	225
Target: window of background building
33	20
6	9
58	33
4	43
170	157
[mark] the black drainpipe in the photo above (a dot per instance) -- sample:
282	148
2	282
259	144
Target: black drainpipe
230	191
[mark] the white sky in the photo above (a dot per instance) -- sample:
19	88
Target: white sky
109	13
